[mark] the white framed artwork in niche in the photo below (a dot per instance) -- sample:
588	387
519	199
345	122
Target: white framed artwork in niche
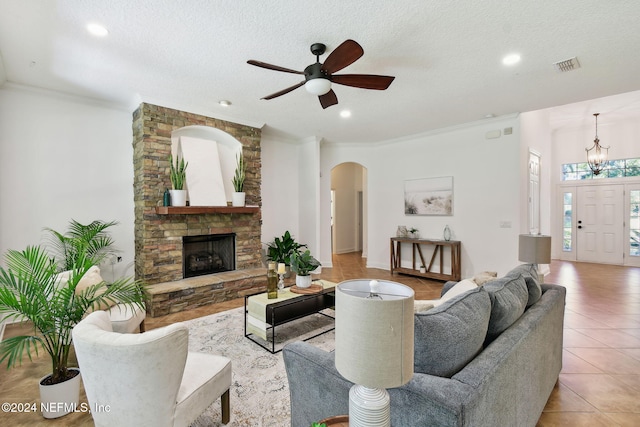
429	196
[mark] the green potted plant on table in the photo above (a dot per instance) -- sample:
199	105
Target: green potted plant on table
302	263
281	249
33	288
238	197
178	173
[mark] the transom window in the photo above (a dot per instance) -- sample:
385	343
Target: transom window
613	169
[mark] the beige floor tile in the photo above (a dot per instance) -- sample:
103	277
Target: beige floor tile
603	391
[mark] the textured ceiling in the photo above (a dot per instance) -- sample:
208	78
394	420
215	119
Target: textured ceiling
445	55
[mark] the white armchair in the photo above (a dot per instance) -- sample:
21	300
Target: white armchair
147	379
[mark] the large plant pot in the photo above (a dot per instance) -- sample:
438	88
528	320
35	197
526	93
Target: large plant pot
178	197
238	199
60	399
303	281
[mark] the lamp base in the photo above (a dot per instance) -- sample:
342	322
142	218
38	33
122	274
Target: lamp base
369	407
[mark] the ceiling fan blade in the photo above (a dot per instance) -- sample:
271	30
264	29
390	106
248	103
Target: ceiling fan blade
272	67
363	81
342	56
284	91
328	99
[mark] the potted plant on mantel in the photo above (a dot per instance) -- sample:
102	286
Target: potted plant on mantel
281	249
238	197
178	172
302	263
33	288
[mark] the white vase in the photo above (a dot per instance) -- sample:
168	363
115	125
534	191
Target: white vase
237	199
60	399
303	281
178	197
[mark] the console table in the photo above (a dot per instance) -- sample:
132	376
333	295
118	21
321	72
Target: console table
416	247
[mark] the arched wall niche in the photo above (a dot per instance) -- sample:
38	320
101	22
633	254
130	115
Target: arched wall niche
202	165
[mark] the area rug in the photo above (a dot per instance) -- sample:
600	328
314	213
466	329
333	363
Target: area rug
259	386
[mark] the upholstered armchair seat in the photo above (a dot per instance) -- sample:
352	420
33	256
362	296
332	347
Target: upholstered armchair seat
147	379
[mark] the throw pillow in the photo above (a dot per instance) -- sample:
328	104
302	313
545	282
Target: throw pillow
449	336
508	300
457	289
90	278
422	305
530	274
483	277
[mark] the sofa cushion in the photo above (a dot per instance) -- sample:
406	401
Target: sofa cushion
508	300
447	337
530	274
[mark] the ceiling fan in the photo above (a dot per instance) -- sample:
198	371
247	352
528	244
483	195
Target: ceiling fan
318	77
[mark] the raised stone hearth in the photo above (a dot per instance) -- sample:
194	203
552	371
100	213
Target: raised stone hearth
159	231
186	294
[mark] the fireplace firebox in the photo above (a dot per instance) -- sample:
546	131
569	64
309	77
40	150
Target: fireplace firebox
207	254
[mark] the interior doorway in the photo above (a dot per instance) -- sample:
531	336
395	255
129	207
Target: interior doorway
348	208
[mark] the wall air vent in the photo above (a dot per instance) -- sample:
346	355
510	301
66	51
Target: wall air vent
567	65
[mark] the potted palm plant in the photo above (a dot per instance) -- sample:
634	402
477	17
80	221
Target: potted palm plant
238	197
178	172
33	288
281	249
302	263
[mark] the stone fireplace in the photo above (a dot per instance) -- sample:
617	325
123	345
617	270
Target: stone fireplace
160	231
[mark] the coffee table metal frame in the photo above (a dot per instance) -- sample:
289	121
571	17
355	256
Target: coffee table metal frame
289	310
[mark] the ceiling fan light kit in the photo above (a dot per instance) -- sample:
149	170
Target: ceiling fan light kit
319	76
318	86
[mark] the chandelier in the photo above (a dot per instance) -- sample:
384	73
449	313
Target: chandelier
597	155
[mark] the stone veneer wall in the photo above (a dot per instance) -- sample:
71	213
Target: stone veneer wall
158	238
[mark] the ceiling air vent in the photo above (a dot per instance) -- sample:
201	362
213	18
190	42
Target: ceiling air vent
567	65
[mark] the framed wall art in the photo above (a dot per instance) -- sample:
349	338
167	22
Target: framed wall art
429	196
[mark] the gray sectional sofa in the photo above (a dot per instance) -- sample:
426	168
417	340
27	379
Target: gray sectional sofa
489	356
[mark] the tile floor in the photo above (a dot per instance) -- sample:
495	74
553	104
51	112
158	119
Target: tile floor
599	384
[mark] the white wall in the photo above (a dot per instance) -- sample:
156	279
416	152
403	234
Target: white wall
280	186
487	184
64	158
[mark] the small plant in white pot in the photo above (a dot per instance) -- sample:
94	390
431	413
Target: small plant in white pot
302	263
178	172
238	197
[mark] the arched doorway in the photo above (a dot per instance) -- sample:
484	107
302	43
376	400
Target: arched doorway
348	208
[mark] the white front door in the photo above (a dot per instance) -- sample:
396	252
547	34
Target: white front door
600	223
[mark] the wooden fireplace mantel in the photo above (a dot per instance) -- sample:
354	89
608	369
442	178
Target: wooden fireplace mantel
199	210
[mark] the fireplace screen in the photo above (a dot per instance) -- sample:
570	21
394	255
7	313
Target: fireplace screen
208	254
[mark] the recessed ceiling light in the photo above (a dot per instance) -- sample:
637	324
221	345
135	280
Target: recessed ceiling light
511	59
97	30
345	114
224	103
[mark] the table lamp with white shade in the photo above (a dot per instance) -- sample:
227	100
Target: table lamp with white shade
374	345
535	249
